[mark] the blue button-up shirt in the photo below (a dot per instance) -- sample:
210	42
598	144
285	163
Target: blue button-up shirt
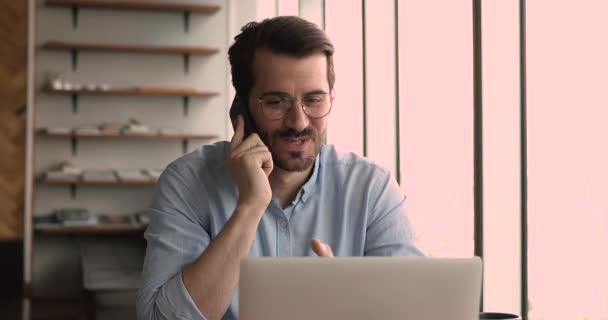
348	202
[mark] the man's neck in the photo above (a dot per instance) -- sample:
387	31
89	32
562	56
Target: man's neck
285	184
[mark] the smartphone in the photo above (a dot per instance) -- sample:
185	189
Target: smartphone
239	106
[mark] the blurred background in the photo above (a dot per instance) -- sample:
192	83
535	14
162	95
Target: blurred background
490	114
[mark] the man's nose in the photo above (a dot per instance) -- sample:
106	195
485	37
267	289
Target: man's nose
296	118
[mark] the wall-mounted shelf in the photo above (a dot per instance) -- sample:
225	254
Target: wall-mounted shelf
180	136
73	136
135	91
98	183
58	45
74	184
185	8
91	230
74	48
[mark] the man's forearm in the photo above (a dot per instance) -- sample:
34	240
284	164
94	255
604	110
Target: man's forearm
213	277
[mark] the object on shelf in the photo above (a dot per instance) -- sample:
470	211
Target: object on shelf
154	173
64	171
87	130
58	83
45	220
116	220
91	221
133	175
110	127
99	175
142	217
54	80
74	217
58	130
137	127
71	214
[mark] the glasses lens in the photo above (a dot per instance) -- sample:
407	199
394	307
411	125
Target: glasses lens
317	105
274	107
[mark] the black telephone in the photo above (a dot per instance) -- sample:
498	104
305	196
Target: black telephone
240	107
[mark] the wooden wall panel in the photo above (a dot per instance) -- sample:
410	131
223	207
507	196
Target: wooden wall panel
13	36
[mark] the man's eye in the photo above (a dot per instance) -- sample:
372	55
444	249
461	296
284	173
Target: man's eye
273	102
313	100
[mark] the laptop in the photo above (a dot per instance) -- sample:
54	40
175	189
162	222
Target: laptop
358	288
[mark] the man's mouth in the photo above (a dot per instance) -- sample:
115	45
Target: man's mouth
296	140
295	143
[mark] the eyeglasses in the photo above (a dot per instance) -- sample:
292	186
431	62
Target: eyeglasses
315	106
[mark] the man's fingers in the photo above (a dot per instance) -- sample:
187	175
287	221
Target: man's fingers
321	249
237	153
252	141
239	133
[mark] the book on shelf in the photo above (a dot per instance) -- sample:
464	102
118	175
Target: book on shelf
66	217
116	220
79	217
91	221
133	175
62	175
89	130
112	128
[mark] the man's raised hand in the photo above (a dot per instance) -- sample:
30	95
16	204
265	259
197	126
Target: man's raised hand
250	163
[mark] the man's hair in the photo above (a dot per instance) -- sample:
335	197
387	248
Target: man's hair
289	35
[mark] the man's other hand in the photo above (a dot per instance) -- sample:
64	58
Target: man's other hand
321	249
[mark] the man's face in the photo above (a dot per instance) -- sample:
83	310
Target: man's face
295	140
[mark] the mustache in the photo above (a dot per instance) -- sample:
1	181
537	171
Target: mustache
291	133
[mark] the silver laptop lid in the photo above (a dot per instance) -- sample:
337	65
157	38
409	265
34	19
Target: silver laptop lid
360	288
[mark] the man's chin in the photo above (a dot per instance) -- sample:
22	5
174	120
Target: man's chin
294	164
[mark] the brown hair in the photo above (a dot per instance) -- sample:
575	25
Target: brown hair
288	35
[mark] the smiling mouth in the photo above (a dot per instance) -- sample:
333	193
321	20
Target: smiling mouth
296	141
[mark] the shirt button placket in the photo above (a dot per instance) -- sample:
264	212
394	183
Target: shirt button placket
284	238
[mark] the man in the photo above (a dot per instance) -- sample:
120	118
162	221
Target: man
279	191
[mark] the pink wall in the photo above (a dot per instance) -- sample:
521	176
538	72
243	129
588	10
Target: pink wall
567	132
436	103
344	25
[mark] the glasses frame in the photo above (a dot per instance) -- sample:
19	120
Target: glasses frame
331	95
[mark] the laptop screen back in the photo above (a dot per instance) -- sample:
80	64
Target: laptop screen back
360	288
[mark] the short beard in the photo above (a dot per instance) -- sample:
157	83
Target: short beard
284	163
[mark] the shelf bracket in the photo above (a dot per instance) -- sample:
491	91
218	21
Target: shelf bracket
186	63
74	143
186	21
74	103
186	104
75	10
73	191
184	146
74	59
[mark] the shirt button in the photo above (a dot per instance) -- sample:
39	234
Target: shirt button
283	224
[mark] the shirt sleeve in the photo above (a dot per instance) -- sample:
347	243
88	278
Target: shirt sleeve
389	230
175	237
